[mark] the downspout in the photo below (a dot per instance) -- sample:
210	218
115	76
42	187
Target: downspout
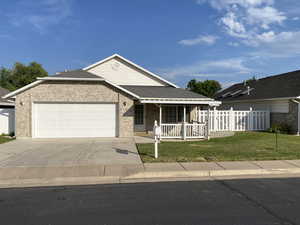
297	102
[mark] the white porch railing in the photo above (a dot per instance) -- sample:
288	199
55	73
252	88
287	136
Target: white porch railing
231	120
186	130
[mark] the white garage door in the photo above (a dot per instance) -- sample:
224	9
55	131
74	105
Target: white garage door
67	120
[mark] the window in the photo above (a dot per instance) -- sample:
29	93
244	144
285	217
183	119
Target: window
174	114
139	114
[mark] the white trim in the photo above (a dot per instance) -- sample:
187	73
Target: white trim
262	99
22	89
6	104
69	78
188	102
133	64
181	99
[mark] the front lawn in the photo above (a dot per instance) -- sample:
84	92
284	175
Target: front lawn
241	146
4	139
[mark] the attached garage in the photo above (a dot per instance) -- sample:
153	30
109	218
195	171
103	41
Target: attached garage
74	120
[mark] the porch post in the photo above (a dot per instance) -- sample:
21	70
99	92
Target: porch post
208	125
160	115
184	121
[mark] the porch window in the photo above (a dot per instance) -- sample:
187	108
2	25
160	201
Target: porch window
174	114
139	114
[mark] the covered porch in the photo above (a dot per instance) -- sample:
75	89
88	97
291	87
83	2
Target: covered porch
176	120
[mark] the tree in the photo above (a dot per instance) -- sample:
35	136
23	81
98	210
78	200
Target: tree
21	75
207	88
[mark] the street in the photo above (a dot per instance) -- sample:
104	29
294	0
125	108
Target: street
216	202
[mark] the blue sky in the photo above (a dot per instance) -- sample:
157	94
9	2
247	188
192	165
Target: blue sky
225	40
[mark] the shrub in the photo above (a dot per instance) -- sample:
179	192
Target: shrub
283	128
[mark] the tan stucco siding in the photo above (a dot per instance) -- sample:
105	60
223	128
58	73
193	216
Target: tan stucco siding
122	73
67	91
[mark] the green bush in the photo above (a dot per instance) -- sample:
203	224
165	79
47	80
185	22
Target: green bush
283	128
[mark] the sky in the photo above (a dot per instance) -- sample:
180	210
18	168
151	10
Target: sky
225	40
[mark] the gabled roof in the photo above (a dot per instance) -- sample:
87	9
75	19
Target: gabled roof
280	86
134	65
162	92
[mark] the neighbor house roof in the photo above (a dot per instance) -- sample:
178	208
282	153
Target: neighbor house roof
4	92
285	85
162	92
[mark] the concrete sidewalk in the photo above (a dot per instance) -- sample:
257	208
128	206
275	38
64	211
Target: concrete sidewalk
100	174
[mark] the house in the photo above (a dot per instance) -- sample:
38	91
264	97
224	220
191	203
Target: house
7	117
280	94
110	98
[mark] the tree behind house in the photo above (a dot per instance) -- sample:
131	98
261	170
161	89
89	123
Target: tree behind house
207	88
21	75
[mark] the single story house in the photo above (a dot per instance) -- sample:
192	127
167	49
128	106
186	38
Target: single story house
280	94
7	111
110	98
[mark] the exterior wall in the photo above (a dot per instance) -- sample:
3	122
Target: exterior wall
75	91
290	118
122	73
276	106
281	111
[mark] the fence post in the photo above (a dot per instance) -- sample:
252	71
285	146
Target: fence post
215	119
268	120
231	119
184	125
250	119
208	124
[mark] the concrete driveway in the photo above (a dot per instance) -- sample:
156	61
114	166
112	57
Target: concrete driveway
68	152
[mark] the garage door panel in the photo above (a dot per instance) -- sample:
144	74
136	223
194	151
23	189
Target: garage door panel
74	120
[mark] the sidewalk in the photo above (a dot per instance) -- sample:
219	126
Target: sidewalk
148	172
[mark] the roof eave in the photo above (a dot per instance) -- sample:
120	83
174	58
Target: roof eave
70	78
188	101
260	99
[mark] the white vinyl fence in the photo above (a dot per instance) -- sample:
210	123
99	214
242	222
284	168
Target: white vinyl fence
7	120
232	120
183	130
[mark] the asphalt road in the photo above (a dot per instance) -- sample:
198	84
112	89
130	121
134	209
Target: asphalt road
234	202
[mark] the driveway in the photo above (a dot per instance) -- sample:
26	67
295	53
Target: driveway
68	152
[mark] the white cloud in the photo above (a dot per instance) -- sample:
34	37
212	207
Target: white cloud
265	16
216	68
41	14
233	26
223	4
282	44
254	23
201	39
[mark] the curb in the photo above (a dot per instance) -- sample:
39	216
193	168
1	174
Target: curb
142	177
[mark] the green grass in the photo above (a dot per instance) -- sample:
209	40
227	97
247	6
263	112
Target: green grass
240	147
4	139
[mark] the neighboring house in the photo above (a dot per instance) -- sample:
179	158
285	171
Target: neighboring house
111	98
280	94
7	117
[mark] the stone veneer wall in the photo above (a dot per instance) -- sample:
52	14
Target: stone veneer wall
290	118
73	91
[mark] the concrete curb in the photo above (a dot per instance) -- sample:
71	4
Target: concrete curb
58	181
143	177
